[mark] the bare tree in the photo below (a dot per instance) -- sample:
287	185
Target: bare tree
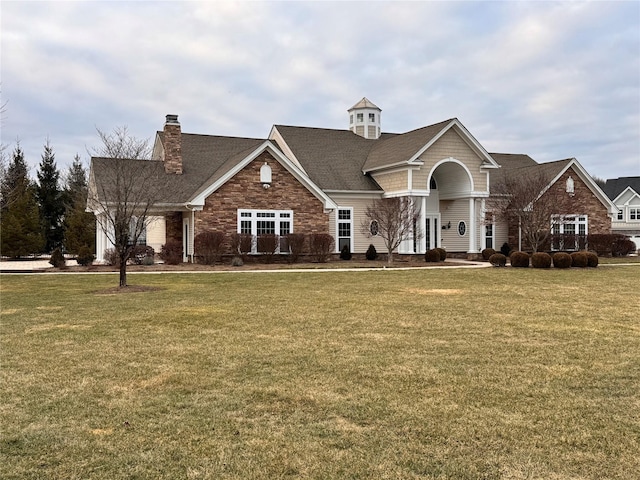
394	220
523	198
124	186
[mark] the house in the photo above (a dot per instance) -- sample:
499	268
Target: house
318	180
624	192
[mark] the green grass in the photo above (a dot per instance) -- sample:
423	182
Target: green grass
431	374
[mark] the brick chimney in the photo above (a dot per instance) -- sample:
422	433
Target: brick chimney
172	145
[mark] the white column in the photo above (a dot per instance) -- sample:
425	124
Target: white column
472	226
483	214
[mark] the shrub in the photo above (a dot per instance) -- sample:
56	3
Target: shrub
140	253
241	243
561	260
345	253
592	259
442	252
579	259
171	252
611	244
498	260
371	253
296	245
148	261
519	259
321	246
85	256
432	255
267	246
237	261
541	260
487	252
505	249
57	259
622	246
209	246
111	257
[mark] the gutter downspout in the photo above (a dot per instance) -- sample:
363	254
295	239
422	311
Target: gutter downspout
519	233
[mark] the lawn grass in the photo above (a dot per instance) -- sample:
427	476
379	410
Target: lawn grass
432	374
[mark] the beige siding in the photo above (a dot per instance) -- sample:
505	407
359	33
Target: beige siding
156	233
359	205
392	182
454	212
450	145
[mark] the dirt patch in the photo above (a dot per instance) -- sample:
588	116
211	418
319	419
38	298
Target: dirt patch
127	289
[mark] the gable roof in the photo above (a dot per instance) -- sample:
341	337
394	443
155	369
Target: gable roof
613	187
364	103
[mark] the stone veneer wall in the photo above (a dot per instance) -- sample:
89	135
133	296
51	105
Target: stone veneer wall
172	148
583	202
244	190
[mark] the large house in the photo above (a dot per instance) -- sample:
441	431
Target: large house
318	180
624	192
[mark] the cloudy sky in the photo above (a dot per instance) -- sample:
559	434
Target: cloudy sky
551	79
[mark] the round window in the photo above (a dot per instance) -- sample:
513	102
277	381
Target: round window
374	228
462	229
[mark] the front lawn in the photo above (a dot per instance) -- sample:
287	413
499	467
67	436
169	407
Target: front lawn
431	374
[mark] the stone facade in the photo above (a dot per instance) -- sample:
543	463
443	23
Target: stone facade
244	191
172	146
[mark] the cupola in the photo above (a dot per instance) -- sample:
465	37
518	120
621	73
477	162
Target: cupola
364	119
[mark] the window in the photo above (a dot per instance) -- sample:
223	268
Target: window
634	213
462	228
374	228
568	232
360	117
620	215
345	227
488	235
266	222
372	117
351	118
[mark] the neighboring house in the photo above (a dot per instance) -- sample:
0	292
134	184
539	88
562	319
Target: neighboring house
625	194
316	180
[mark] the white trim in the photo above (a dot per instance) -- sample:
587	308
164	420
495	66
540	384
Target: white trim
279	217
338	222
452	160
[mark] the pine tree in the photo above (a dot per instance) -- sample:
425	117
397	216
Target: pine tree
80	226
20	222
50	199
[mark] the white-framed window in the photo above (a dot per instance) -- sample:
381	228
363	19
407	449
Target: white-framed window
634	213
372	117
360	117
568	232
621	214
266	222
488	235
344	228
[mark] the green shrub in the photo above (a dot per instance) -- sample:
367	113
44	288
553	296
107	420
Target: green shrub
345	253
579	259
505	249
85	256
140	253
321	246
57	259
487	252
432	255
296	245
148	261
498	260
209	246
592	259
371	253
541	260
561	260
171	252
442	252
237	261
519	259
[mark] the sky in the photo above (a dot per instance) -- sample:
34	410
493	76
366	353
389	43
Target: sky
553	80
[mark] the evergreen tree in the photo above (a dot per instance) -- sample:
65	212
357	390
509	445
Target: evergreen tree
20	222
80	225
50	200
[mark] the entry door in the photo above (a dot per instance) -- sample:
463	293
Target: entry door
432	231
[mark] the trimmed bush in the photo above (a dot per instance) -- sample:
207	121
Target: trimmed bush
561	260
432	255
371	253
237	262
519	259
622	246
487	252
296	245
505	249
592	259
498	260
442	252
209	247
140	253
321	246
85	256
171	252
541	260
579	259
241	243
267	246
57	259
345	253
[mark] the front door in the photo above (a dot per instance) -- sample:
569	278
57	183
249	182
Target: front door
432	231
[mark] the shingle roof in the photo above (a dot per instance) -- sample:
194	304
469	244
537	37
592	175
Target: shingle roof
333	159
615	186
364	103
523	165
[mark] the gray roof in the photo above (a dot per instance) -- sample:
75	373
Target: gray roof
615	186
523	165
364	103
333	159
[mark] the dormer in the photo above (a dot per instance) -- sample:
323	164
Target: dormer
364	119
